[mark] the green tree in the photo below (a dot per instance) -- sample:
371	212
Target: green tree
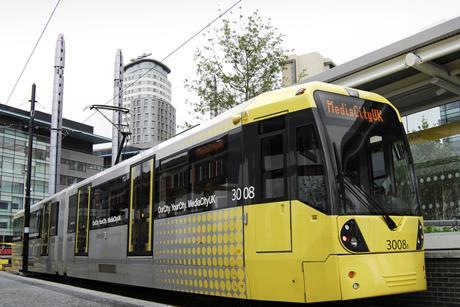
240	60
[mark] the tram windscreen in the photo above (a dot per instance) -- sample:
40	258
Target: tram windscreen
372	153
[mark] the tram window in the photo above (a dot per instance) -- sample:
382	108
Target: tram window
311	186
174	189
209	179
140	219
83	204
119	200
378	166
45	232
110	203
100	206
273	165
193	181
35	224
72	213
208	176
54	218
380	170
18	227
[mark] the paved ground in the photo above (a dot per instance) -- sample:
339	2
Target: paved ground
18	291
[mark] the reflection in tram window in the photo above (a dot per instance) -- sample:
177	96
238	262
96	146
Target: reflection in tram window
141	207
81	245
72	213
35	224
310	173
110	203
54	218
273	166
45	228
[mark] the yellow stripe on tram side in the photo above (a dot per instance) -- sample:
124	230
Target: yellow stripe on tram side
130	247
78	220
87	220
152	170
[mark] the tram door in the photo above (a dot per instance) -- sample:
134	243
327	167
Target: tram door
82	229
140	209
45	231
271	221
53	228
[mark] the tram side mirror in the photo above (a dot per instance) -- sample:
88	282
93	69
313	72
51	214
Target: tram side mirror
398	149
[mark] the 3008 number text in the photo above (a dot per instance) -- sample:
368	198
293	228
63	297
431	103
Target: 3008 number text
396	244
243	193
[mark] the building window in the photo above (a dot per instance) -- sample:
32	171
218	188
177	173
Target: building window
8	143
6	184
7	165
3	205
18	187
77	166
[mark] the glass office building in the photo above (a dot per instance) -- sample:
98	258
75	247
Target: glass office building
13	161
77	159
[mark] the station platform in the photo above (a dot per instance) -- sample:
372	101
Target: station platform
16	290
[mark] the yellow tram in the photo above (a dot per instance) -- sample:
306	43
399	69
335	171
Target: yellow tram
304	194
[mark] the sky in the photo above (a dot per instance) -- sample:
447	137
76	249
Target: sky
94	29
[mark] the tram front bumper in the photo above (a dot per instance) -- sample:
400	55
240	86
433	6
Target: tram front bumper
370	275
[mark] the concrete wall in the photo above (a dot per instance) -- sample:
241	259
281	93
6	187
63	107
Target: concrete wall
66	170
304	66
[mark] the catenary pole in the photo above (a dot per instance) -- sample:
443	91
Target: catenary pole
25	246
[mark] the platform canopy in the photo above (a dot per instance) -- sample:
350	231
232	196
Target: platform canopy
416	73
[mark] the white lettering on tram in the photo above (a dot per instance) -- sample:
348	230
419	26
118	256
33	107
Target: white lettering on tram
107	221
204	201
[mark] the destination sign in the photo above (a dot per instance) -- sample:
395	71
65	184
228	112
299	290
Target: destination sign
208	149
352	111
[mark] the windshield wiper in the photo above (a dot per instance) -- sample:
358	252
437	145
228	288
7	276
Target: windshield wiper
365	198
345	183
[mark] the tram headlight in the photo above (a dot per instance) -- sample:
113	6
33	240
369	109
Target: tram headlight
351	236
420	236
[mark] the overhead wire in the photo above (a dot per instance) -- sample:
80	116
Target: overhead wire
167	56
31	54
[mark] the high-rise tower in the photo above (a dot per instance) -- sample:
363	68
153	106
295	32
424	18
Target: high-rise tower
56	116
147	95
